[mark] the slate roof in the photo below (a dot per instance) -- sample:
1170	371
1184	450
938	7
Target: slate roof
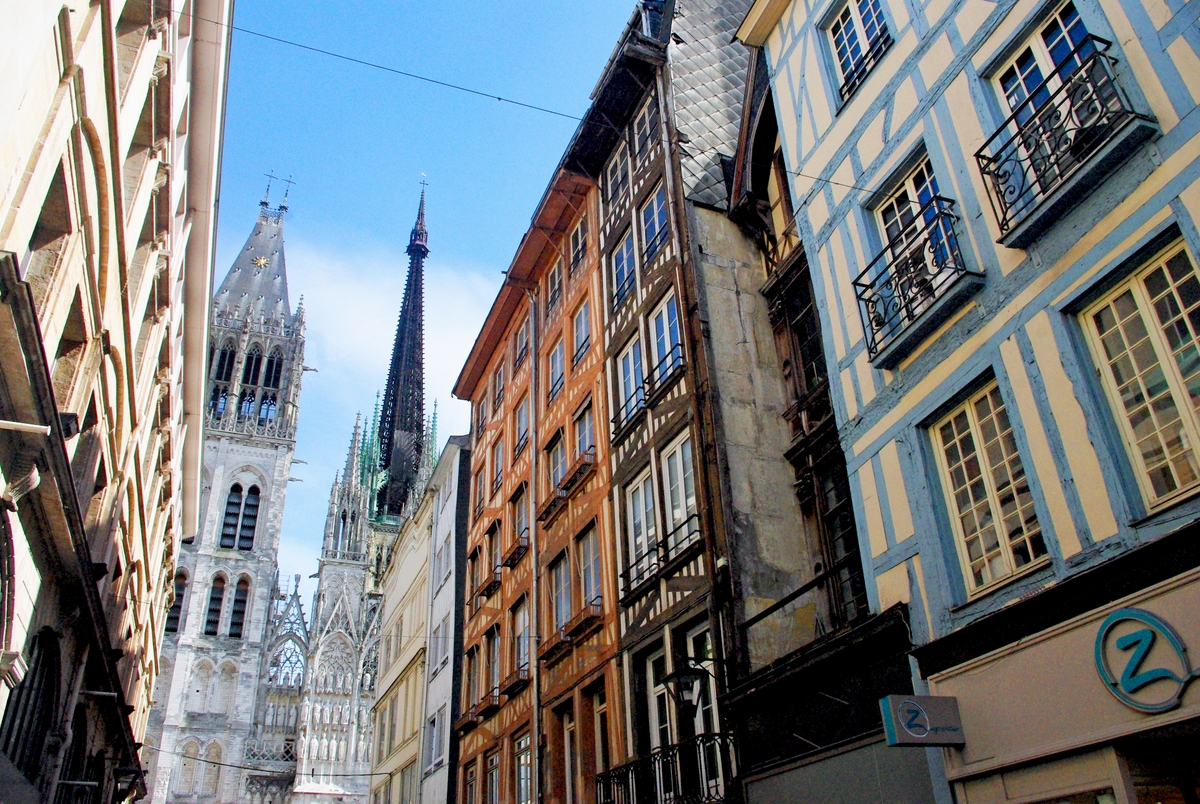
256	285
708	78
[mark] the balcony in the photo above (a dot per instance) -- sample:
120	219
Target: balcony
586	620
556	386
584	465
520	547
642	569
342	555
488	705
655	244
629	409
1076	127
681	537
581	351
466	722
554	505
859	71
555	648
695	771
914	284
490	585
516	681
668	367
623	289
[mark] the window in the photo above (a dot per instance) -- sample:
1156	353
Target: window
497	464
435	647
470	785
553	287
498	386
654	223
633	390
643	544
583	333
253	365
557	464
585	432
579	244
556	371
391	725
187	770
225	360
994	521
860	38
491	783
571	757
274	370
493	659
522	344
646	131
624	274
480	492
560	591
237	617
521	420
589	567
215	597
1146	337
176	612
520	620
439	739
617	175
659	703
521	516
431	741
447	636
246	404
668	351
679	490
522	770
241	517
472	685
600	738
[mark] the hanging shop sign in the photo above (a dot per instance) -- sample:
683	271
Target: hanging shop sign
1142	660
921	720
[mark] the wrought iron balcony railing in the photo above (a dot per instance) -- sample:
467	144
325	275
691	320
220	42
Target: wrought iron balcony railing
584	465
586	620
556	386
517	551
1065	121
631	406
862	68
580	350
655	244
642	567
918	267
516	681
695	771
681	537
666	367
622	291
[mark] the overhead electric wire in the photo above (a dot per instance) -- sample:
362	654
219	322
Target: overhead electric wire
158	750
384	67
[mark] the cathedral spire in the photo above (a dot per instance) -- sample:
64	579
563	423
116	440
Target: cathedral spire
256	285
402	419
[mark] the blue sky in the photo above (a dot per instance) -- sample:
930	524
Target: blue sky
356	141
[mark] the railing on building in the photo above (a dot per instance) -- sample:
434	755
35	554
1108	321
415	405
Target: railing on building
586	620
271	750
622	291
1054	132
659	555
833	599
670	364
916	268
488	705
632	405
515	681
655	244
556	646
584	465
862	68
492	584
230	422
343	555
517	551
696	771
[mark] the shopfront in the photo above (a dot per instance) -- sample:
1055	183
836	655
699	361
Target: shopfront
1102	708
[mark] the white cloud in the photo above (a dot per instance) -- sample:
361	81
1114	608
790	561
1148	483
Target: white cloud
352	301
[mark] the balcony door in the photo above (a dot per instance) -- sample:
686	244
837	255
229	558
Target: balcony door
662	732
918	242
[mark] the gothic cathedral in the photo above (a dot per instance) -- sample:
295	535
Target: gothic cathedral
255	702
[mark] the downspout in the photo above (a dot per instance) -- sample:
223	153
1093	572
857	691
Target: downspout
534	609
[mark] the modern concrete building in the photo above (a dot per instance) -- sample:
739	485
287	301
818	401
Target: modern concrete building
994	206
111	118
451	486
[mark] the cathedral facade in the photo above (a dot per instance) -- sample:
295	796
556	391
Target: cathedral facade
257	701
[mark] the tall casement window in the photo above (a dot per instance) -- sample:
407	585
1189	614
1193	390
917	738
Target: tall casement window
176	611
659	704
272	374
237	616
522	770
994	520
520	513
616	176
679	490
520	621
582	328
250	372
589	568
556	463
1049	55
585	431
480	492
668	351
493	660
521	426
471	785
216	597
654	223
600	727
498	386
491	782
570	759
241	518
642	530
472	685
1145	336
521	345
860	38
274	370
222	374
579	244
554	282
481	413
497	464
646	132
554	377
560	591
623	269
632	390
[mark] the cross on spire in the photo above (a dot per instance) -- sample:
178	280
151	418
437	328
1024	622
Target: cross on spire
267	195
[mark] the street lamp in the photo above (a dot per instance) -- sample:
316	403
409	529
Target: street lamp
686	680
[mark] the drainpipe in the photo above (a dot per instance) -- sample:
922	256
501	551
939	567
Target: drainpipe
534	609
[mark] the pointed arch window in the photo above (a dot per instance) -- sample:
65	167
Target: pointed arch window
215	598
253	365
246	404
187	770
241	518
176	612
274	370
237	619
217	401
225	359
212	770
201	683
266	409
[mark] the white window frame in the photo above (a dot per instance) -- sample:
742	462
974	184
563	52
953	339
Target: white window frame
859	37
560	609
579	244
655	226
647	128
556	374
554	287
679	503
656	693
521	426
641	513
585	422
1042	58
631	380
617	176
590	572
666	341
1003	550
581	327
624	255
